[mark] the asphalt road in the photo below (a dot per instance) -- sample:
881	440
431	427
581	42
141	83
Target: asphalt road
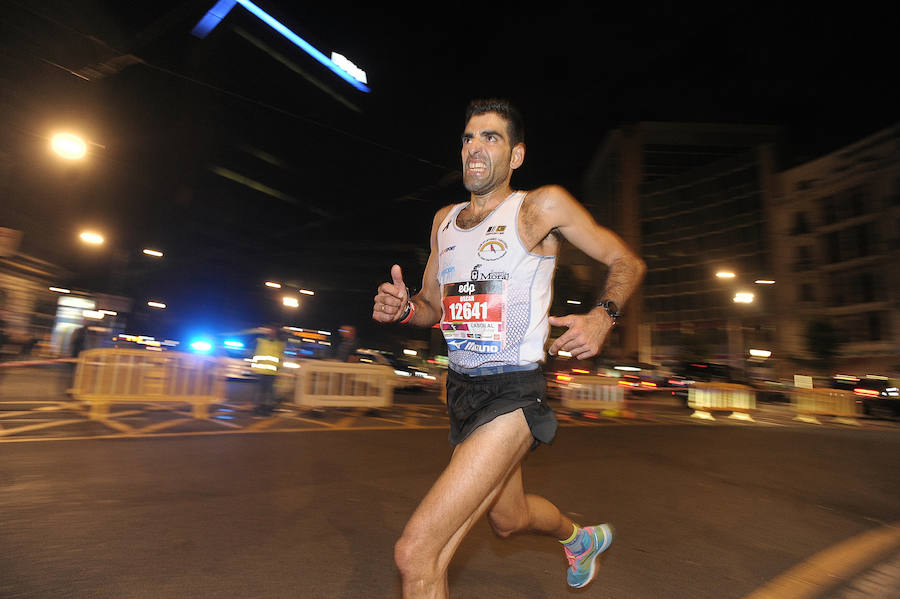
701	509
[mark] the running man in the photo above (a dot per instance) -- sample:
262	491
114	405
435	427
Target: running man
489	281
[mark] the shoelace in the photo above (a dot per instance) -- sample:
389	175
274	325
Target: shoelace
572	558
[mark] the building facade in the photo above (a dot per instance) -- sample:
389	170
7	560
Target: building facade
691	198
837	225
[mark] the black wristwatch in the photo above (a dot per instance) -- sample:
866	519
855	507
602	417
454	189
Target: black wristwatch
611	308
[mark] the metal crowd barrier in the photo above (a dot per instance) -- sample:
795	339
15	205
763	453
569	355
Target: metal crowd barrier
106	376
840	404
706	398
586	392
324	384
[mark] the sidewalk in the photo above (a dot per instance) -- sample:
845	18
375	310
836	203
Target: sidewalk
881	580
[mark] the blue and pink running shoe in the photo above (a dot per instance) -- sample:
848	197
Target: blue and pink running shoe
582	567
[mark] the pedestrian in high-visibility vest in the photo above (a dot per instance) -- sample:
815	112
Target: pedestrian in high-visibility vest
266	363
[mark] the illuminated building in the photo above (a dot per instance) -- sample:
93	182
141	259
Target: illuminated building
837	224
690	198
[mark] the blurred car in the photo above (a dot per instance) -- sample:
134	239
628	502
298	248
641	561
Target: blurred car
879	396
406	375
558	373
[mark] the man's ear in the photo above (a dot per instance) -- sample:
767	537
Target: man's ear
517	156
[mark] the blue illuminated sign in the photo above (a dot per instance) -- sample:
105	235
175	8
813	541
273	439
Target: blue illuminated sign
221	9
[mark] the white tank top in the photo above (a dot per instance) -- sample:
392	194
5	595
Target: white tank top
495	294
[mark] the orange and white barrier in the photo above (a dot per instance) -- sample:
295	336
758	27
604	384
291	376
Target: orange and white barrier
586	392
839	404
325	384
706	398
106	376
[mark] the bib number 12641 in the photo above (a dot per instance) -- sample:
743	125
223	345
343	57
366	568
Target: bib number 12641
468	310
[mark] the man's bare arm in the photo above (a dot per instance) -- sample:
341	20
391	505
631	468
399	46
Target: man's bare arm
392	298
558	211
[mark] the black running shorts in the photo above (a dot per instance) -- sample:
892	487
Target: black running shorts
475	400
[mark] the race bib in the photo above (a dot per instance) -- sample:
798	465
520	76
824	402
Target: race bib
474	316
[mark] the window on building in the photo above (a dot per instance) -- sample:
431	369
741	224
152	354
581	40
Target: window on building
806	293
868	287
833	247
838	289
853	203
873	322
829	210
802	258
801	224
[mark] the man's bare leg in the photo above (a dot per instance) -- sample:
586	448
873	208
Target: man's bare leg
478	470
515	511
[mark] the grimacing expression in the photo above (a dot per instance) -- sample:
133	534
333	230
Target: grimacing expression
487	158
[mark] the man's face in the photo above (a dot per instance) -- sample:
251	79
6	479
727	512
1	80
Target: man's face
487	158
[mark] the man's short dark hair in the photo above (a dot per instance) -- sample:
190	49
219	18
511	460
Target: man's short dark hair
515	124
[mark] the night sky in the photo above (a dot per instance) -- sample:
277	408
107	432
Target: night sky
352	179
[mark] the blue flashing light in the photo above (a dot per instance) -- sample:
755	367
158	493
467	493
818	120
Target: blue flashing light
221	9
232	344
201	345
213	18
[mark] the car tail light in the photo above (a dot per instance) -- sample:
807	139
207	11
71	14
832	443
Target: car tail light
676	382
563	377
580	371
647	384
866	392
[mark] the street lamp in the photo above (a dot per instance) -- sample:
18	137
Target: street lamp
68	146
91	238
154	253
735	325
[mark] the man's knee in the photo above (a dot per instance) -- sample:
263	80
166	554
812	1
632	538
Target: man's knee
412	558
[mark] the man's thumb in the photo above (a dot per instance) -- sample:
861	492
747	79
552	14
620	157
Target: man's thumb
397	276
557	321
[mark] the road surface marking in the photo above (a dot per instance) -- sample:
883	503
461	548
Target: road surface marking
34	427
832	566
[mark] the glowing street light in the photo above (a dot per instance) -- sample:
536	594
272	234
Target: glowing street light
59	290
290	302
155	304
154	253
725	274
307	292
68	146
764	282
743	297
90	237
273	284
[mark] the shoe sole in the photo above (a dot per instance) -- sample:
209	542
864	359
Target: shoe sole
608	539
